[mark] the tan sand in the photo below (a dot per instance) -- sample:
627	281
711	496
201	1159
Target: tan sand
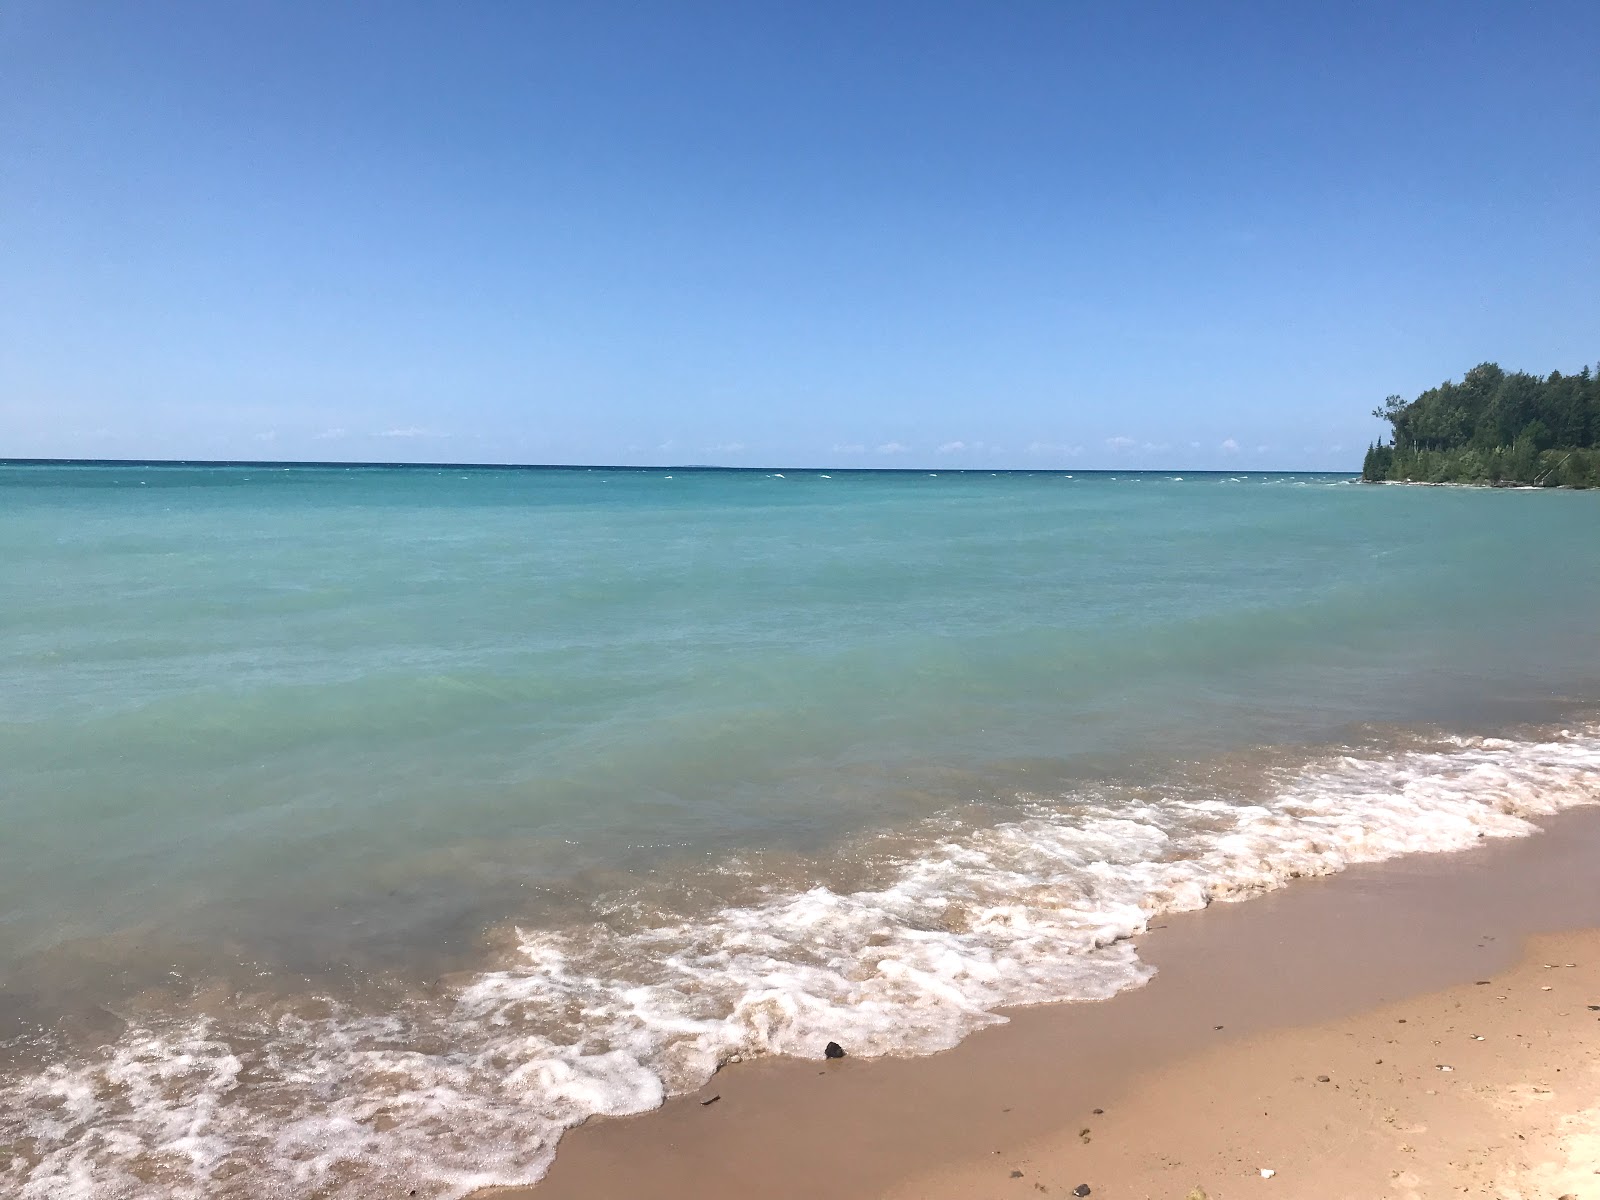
1480	1090
1211	1073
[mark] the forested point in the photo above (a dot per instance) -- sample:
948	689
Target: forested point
1494	428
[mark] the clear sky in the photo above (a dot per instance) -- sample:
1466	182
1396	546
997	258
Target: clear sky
875	234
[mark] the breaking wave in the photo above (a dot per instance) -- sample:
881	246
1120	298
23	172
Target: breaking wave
473	1086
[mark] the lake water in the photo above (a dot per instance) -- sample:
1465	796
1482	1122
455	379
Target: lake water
369	824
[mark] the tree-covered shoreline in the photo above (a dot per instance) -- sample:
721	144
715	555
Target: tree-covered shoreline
1494	428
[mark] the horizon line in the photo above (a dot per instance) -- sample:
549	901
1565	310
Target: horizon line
491	466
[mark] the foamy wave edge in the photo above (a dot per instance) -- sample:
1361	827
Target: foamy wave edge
478	1092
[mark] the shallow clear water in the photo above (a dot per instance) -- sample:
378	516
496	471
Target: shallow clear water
549	790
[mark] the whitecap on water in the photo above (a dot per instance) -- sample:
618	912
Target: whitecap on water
446	1097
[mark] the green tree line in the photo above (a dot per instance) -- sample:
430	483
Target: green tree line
1496	428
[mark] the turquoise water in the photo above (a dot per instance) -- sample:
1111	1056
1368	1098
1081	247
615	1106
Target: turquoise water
425	751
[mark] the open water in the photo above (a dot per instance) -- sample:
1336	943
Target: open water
377	824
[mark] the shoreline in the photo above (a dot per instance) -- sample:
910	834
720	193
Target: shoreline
1484	1088
1231	979
1493	487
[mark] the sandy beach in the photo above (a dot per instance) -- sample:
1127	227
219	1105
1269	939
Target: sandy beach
780	601
1487	1089
1417	1028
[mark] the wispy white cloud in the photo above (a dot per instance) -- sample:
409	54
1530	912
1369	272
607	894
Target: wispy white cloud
726	448
850	448
1056	448
952	447
328	435
412	431
1120	443
893	448
1155	446
1262	449
1229	446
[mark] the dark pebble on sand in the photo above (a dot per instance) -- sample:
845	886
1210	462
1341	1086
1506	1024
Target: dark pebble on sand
713	1100
1322	1079
833	1050
1098	1111
1081	1190
1016	1174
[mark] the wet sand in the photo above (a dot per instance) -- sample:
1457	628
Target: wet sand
1210	1074
1483	1089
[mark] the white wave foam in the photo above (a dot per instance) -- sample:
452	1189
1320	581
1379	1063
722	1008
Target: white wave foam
593	1020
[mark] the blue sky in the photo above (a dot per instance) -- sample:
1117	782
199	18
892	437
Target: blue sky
1028	234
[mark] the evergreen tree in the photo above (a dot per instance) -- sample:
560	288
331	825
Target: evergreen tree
1494	427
